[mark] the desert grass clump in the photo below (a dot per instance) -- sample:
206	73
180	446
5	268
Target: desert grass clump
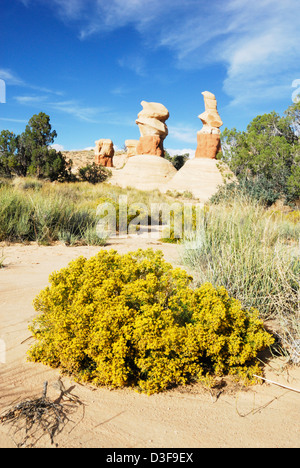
134	320
44	215
255	256
34	210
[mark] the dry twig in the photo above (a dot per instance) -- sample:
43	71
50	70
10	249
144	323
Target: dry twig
277	383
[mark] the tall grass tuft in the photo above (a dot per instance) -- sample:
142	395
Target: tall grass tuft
254	254
28	214
34	210
2	259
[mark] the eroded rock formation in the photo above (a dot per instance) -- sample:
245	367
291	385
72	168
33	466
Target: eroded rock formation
104	152
151	122
208	138
131	146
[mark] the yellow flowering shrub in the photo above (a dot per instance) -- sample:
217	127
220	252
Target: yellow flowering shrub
134	320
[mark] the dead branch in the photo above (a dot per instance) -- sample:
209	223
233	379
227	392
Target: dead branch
36	417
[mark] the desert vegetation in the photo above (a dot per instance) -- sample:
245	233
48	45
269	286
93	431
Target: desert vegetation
266	157
133	319
36	210
143	323
31	154
254	253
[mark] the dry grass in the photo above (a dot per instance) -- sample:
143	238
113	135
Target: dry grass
254	254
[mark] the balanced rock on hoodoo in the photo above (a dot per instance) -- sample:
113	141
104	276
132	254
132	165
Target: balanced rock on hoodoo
208	138
104	152
151	122
144	170
204	174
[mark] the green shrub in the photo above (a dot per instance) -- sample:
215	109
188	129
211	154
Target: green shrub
133	320
266	155
178	160
93	173
258	189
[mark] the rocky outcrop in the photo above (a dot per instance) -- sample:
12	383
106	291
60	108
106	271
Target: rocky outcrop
210	118
104	152
144	172
201	177
208	145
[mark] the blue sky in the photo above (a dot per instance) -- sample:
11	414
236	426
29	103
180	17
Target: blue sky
90	63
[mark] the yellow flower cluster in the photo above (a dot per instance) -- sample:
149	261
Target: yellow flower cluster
133	319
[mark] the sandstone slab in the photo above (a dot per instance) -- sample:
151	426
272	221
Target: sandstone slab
144	172
201	177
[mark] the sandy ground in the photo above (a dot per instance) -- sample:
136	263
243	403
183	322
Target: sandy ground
264	416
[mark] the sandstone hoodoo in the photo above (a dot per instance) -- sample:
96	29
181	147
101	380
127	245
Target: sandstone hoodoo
208	138
204	174
144	170
151	122
104	152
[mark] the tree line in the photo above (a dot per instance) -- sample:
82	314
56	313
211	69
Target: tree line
266	157
31	154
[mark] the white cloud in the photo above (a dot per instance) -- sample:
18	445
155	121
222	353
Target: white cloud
263	60
75	108
10	77
4	119
57	147
120	90
183	133
143	14
174	152
256	42
72	107
30	100
135	63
